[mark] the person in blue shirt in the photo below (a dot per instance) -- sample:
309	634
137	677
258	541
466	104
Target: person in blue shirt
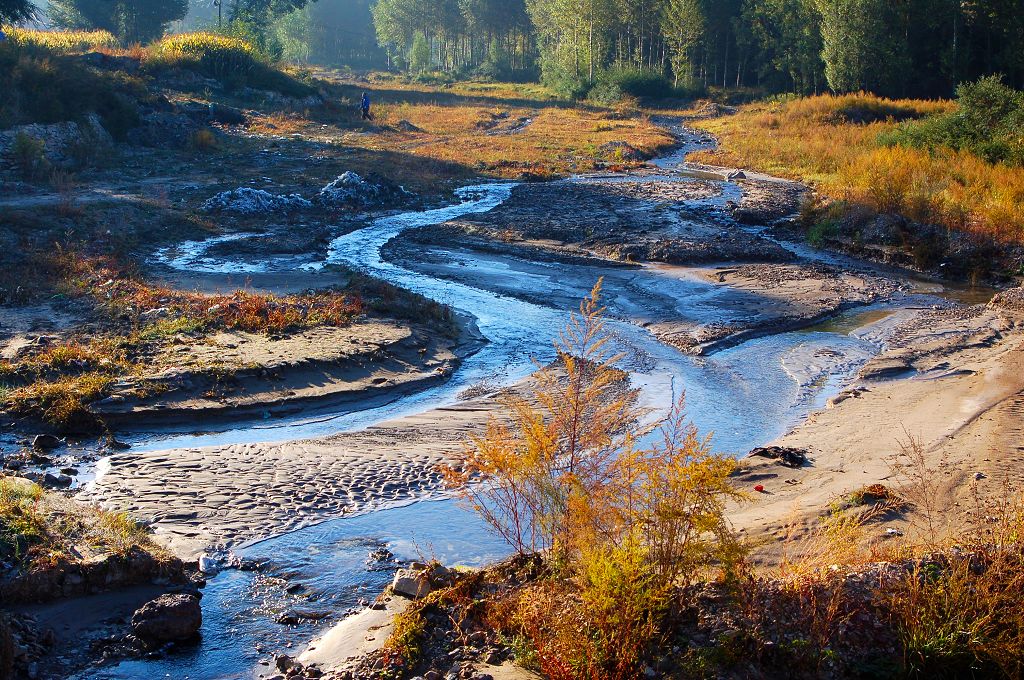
364	106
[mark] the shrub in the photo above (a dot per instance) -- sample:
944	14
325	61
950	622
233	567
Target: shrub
808	139
621	519
987	123
62	42
29	155
616	83
233	61
203	140
46	87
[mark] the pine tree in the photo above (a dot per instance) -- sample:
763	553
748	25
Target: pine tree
15	11
137	21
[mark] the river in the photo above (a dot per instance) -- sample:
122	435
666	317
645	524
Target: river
746	395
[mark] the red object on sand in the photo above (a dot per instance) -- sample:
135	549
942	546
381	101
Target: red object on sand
759	488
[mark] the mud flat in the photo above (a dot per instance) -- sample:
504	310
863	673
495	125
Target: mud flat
224	496
237	374
672	257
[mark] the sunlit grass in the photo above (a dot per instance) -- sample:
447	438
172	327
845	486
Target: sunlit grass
39	528
820	140
65	42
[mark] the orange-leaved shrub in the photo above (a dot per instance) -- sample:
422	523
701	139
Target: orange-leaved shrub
620	508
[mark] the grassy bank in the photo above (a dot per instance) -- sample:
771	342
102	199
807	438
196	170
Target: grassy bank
846	147
47	81
41	529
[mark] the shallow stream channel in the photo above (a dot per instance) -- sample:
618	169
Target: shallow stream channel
746	395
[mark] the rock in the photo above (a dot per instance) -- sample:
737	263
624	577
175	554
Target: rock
164	130
285	663
56	481
414	584
208	564
168	618
620	151
249	201
406	126
227	115
354	191
785	455
1010	299
46	442
736	174
62	142
110	62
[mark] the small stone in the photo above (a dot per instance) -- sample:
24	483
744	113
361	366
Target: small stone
46	442
411	584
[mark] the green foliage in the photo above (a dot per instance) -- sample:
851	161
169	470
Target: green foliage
29	155
988	122
136	21
859	46
419	54
618	82
21	524
14	11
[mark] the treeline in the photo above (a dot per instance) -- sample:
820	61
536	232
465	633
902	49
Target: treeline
892	47
920	48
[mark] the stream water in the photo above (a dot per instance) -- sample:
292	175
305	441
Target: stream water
746	395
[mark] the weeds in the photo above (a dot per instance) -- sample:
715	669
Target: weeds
29	155
38	527
62	42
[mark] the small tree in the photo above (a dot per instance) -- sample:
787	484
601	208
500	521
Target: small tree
569	472
619	520
132	22
419	54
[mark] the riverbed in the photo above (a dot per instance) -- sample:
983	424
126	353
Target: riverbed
746	394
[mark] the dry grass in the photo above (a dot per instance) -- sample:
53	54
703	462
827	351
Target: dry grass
125	295
39	528
471	127
820	140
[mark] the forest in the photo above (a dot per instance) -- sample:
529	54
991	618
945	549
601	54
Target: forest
907	48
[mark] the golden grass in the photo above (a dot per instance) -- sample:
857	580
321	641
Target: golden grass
813	140
39	528
64	42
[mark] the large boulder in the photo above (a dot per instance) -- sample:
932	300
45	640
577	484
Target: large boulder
249	201
168	618
63	143
351	190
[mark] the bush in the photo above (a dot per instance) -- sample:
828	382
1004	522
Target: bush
62	42
616	83
234	62
45	87
620	520
29	155
987	123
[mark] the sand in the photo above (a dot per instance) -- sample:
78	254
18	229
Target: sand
960	395
236	374
225	496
